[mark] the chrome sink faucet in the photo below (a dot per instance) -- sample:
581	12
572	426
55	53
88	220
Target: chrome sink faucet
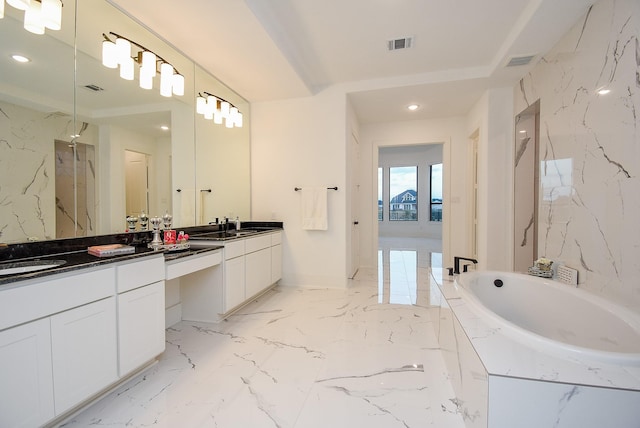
456	264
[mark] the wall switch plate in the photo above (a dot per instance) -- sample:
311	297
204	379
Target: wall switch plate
568	275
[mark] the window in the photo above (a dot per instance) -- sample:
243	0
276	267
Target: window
435	174
403	195
380	214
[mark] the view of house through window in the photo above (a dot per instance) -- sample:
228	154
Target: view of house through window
435	173
403	195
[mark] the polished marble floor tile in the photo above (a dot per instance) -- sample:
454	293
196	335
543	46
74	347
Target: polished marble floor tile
304	358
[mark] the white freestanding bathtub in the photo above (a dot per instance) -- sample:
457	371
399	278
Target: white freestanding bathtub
528	352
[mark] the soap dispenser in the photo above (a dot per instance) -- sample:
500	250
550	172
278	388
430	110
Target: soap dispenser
237	223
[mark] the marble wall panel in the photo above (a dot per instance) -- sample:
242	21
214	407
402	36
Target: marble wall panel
590	149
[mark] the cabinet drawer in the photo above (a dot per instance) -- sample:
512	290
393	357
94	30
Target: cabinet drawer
257	243
139	272
54	294
192	264
233	249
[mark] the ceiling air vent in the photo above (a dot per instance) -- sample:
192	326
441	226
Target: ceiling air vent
94	88
404	43
520	60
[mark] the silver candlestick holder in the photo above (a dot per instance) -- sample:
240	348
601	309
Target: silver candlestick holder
144	220
155	224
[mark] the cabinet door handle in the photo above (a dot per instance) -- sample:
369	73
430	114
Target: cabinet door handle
356	222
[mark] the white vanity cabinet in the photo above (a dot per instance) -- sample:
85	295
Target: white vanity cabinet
251	266
140	286
68	337
57	345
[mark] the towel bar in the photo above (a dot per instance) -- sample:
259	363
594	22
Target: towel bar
328	188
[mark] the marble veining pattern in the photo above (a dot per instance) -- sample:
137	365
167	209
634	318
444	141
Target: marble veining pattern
299	358
590	163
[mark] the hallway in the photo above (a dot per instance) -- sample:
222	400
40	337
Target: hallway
300	357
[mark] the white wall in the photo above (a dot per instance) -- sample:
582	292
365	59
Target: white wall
296	143
422	156
493	117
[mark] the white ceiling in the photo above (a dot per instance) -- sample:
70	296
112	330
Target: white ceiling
277	49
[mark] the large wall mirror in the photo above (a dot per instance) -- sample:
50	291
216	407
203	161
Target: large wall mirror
81	148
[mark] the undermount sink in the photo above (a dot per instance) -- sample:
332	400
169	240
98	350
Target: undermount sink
222	235
29	266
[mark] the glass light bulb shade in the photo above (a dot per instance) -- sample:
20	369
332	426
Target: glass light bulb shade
127	69
33	21
20	4
146	79
217	117
123	48
201	105
149	63
109	54
228	122
212	103
52	14
208	114
239	120
1	9
224	109
166	79
178	84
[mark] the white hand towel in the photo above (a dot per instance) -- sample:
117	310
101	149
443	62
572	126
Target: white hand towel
314	208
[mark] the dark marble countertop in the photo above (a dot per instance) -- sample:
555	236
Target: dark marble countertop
73	261
73	251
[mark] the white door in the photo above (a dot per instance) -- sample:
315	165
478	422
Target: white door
136	183
354	184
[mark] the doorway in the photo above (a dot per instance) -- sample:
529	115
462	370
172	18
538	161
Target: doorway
75	189
526	185
409	191
136	183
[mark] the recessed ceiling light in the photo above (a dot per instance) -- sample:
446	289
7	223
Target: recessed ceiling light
164	127
413	107
603	91
20	58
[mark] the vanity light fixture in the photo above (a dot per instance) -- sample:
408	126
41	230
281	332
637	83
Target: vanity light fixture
118	54
218	109
38	14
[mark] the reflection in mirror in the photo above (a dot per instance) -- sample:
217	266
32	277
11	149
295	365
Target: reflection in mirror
222	158
64	134
130	119
36	110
